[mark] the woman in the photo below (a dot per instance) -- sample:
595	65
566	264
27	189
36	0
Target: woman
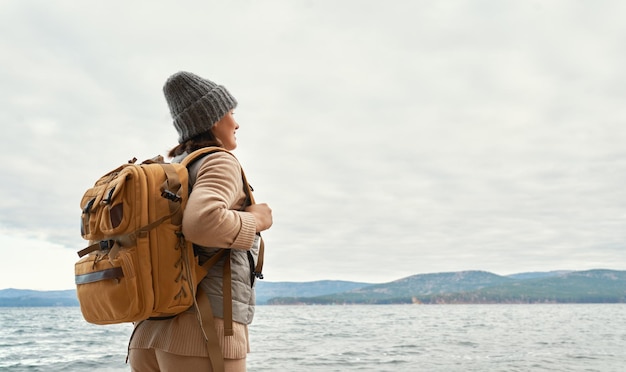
217	215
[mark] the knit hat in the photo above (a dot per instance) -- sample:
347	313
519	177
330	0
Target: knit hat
196	104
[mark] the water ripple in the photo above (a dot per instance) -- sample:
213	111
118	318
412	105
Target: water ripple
352	338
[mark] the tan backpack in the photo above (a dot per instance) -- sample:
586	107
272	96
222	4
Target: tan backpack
138	265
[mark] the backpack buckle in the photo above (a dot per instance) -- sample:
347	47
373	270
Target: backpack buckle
106	244
167	194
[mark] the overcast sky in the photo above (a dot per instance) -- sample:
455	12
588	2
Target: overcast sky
391	138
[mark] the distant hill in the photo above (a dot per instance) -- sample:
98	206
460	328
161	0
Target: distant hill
29	298
264	291
593	286
538	274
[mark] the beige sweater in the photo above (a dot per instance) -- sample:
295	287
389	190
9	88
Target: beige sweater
211	219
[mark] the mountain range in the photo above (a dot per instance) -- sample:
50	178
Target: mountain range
480	287
592	286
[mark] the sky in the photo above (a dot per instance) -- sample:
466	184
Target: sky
390	138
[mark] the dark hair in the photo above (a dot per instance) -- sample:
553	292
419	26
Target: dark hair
205	139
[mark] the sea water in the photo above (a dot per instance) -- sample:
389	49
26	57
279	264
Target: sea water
352	338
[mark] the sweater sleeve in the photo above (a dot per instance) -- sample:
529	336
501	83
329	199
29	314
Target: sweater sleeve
211	217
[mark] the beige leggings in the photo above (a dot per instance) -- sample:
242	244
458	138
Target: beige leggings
153	360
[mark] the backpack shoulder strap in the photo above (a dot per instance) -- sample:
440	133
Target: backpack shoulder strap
200	153
202	300
195	155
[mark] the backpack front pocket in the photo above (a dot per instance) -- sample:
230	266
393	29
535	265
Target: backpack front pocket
116	214
110	290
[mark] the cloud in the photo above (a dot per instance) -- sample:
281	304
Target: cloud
32	262
390	139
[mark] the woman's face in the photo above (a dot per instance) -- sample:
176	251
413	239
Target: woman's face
225	130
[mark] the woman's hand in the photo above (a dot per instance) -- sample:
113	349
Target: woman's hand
262	216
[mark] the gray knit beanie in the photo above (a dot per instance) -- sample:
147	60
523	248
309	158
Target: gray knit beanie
196	104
